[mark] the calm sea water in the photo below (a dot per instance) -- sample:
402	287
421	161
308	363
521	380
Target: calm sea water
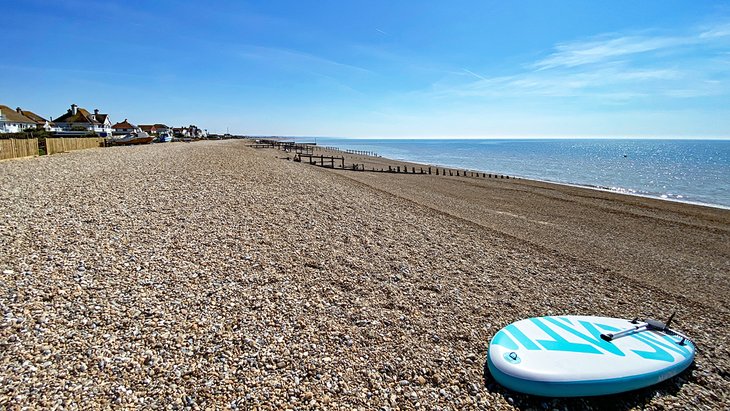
685	170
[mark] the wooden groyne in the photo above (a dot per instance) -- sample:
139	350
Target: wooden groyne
286	146
304	153
352	152
312	159
329	161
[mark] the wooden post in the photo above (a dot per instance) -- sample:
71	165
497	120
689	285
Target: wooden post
399	169
429	170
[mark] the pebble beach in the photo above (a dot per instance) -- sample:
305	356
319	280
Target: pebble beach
212	275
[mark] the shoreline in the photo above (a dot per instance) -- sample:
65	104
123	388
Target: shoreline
618	190
614	191
385	160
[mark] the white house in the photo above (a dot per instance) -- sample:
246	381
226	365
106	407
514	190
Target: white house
13	122
149	129
78	119
40	122
124	127
163	129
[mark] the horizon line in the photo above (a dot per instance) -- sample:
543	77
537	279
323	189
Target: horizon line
713	138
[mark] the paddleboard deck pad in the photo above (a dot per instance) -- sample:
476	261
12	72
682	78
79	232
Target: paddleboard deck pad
566	356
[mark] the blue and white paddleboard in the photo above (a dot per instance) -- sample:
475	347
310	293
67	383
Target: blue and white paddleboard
565	356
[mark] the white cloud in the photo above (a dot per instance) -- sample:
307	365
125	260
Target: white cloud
610	69
595	51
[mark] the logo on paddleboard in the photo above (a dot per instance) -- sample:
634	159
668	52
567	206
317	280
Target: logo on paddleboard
512	357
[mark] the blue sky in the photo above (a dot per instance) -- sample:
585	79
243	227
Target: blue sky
378	68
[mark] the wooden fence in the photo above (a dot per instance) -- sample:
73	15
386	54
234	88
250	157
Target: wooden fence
65	144
14	148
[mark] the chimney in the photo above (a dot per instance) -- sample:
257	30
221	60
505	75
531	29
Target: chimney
96	111
74	109
19	110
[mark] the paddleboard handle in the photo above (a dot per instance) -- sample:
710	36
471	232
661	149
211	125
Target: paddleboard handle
649	324
611	336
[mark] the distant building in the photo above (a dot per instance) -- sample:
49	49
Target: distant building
40	122
196	132
11	121
181	132
124	127
148	128
163	129
78	119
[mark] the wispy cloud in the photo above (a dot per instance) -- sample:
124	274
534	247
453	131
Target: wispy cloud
612	68
595	51
722	30
295	60
474	74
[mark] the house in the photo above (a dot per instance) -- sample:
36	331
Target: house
163	129
148	128
196	132
13	122
40	122
124	127
180	132
78	120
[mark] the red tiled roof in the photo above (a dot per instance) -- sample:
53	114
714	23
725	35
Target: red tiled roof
147	127
123	124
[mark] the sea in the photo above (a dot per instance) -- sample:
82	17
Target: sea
693	171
